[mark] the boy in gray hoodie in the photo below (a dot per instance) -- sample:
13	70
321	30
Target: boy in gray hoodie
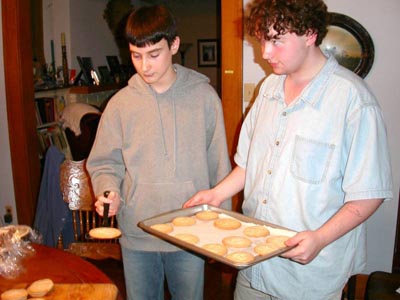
160	140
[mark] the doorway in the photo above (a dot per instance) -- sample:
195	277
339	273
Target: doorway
20	94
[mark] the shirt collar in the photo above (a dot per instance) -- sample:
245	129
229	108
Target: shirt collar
312	90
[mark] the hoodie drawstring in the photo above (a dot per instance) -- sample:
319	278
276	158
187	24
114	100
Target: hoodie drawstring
162	129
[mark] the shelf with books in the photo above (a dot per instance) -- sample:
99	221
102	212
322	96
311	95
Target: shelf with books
48	128
52	134
47	109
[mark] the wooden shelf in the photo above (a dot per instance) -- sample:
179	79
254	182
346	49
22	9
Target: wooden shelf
93	89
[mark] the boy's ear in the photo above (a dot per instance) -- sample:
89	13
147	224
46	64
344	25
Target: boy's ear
175	45
311	37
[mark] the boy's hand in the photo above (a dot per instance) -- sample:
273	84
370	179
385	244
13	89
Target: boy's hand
113	199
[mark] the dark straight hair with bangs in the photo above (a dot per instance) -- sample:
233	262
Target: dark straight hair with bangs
148	25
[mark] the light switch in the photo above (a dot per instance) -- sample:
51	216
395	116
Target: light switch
248	91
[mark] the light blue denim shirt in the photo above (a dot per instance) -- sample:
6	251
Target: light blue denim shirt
303	161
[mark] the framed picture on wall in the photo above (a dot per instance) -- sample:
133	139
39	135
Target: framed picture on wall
208	53
350	43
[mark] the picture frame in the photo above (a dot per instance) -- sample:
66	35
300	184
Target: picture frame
115	67
105	75
350	43
208	52
86	65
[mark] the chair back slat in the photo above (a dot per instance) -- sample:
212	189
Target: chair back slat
77	191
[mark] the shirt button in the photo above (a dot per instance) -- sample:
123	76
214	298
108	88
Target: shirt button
269	172
277	143
264	201
284	114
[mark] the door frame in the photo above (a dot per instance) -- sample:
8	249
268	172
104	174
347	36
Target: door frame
18	76
232	76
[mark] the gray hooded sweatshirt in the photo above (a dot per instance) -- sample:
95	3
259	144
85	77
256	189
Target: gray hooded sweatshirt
158	150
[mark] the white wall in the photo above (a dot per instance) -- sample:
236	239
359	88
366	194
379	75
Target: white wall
87	33
382	21
6	181
55	21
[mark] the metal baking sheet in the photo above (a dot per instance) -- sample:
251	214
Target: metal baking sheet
169	216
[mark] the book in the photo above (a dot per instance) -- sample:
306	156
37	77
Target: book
46	110
52	134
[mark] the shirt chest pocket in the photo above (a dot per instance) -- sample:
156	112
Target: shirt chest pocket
310	160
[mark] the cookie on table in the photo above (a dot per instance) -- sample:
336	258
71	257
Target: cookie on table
184	221
164	228
15	294
40	288
227	223
216	248
236	242
256	231
240	257
188	238
207	215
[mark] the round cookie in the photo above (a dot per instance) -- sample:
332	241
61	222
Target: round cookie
15	294
188	238
256	231
104	233
227	224
264	249
236	242
216	249
207	215
240	257
184	221
278	240
164	228
39	288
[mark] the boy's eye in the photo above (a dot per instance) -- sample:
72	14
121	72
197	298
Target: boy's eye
154	54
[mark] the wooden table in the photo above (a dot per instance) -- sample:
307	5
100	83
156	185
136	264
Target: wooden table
60	266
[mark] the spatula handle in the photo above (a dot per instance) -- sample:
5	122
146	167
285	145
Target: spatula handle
105	212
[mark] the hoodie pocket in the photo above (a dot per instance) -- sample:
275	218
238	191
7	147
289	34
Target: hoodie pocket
151	199
311	159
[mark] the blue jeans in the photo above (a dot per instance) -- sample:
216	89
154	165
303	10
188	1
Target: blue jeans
145	273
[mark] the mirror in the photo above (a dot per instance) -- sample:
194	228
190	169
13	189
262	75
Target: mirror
350	43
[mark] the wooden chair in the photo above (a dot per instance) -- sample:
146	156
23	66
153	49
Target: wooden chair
77	191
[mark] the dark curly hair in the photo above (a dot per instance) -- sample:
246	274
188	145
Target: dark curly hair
293	16
148	25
